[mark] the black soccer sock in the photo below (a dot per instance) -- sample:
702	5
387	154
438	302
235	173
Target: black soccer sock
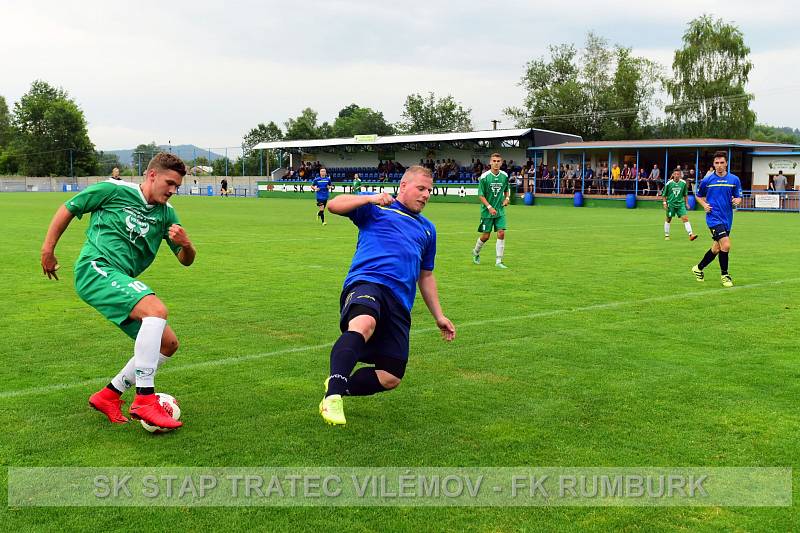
344	356
723	262
319	214
145	390
322	215
111	387
707	259
364	382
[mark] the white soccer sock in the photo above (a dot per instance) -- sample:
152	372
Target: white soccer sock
688	226
127	376
666	228
499	248
146	350
478	246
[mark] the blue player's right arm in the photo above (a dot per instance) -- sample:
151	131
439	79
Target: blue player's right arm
345	203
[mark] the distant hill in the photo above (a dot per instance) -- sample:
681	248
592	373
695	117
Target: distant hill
184	151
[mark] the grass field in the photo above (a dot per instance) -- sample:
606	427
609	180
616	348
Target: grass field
596	348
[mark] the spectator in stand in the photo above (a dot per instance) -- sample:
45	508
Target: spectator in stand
616	172
569	181
654	180
504	166
690	181
301	172
399	167
544	177
641	179
477	168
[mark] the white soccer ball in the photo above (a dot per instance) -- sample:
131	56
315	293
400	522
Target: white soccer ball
172	408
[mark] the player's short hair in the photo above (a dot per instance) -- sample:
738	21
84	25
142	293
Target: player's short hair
167	161
722	154
416	169
496	155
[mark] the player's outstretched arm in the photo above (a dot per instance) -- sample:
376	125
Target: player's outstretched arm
178	235
430	293
58	225
344	203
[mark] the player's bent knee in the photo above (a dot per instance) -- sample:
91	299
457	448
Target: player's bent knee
501	234
364	324
148	306
388	381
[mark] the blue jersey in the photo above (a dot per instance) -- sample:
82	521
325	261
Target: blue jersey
394	244
719	193
322	185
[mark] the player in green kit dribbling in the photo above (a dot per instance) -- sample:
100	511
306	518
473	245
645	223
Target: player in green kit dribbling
493	192
128	224
676	203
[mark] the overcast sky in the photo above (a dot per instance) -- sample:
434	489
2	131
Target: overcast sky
205	73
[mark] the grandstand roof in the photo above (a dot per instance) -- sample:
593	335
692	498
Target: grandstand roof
420	138
664	143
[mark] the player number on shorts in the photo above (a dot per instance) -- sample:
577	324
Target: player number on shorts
138	286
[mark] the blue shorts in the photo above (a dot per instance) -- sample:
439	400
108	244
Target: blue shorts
393	320
720	231
322	201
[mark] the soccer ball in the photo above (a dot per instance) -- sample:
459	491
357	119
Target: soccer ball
170	405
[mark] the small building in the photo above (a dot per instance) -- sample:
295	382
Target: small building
462	147
754	162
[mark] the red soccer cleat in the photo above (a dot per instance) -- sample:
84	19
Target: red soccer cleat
692	237
146	407
109	403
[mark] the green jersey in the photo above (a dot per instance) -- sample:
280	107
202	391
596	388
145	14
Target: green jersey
124	229
493	188
675	193
356	186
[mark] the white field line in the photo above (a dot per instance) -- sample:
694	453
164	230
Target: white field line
420	331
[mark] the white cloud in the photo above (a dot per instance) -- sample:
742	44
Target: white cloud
206	72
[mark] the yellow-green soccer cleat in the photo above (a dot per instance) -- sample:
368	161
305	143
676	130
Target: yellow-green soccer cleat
666	237
500	265
727	281
698	274
332	410
476	258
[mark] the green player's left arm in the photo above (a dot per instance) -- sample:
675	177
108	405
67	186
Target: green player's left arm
187	252
430	294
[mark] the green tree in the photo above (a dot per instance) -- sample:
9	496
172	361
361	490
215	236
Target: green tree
142	155
8	163
428	114
708	84
255	163
5	124
763	132
107	162
305	127
631	98
602	93
50	134
354	120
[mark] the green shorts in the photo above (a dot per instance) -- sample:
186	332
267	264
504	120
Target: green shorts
496	223
113	293
676	211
